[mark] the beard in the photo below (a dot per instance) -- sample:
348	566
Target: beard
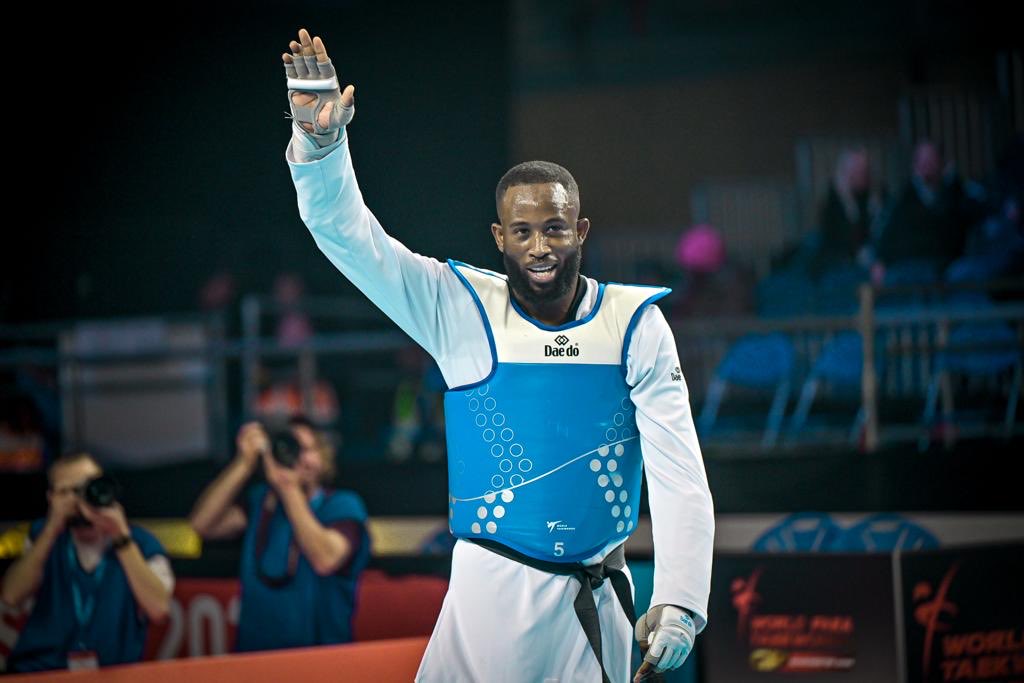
526	290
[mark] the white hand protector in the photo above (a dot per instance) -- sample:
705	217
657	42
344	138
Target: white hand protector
306	74
666	633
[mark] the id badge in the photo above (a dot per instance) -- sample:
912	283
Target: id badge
82	660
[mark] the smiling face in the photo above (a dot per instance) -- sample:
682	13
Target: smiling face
540	237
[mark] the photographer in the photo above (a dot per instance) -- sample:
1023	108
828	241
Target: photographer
304	545
97	580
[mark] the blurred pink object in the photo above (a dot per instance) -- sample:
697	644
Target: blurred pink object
701	249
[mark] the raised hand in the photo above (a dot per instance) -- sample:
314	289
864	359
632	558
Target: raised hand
281	478
251	441
317	103
110	520
63	506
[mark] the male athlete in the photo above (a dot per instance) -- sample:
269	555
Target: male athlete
562	389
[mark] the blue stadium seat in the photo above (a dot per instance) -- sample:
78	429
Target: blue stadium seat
839	364
975	349
756	361
913	273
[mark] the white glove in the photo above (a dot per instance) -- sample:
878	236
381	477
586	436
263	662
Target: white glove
314	74
666	634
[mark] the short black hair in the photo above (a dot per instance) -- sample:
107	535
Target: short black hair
536	173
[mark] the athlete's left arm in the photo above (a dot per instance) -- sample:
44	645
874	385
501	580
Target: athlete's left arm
682	514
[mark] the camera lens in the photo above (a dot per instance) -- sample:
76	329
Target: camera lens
101	492
285	448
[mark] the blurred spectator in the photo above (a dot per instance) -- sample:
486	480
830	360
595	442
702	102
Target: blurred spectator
995	248
294	327
417	422
848	214
97	580
281	397
711	284
218	292
930	218
304	545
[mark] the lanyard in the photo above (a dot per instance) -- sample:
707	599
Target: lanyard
293	552
84	607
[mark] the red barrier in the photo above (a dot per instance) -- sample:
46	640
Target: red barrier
203	621
204	615
382	661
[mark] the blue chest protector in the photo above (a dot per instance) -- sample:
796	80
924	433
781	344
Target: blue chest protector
543	454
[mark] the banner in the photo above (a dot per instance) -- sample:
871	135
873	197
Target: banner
203	620
801	617
963	610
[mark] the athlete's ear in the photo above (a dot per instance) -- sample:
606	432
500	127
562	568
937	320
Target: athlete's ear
582	229
499	236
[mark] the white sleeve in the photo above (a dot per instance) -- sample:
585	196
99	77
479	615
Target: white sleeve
420	294
161	566
682	514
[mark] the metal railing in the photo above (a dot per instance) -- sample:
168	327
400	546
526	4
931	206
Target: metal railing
911	341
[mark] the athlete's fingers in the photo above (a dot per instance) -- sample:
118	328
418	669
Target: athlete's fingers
300	63
673	662
308	54
307	43
348	96
320	50
289	65
643	672
657	647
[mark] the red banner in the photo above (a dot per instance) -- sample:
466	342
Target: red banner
203	620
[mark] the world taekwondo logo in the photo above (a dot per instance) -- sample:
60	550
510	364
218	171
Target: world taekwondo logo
557	525
551	525
562	350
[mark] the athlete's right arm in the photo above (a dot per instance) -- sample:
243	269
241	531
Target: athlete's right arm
422	295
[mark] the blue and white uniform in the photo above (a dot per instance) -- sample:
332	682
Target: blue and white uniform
502	620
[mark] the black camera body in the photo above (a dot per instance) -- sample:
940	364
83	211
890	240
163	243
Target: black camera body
285	448
102	491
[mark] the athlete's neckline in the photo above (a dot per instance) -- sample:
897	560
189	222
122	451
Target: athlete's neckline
565	326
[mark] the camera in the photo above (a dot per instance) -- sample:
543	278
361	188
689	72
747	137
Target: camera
103	491
285	448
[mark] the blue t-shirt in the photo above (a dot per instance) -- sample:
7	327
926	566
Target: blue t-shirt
107	619
284	602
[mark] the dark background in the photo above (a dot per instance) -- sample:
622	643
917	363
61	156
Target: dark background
150	140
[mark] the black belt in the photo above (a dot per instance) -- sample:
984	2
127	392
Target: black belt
589	576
